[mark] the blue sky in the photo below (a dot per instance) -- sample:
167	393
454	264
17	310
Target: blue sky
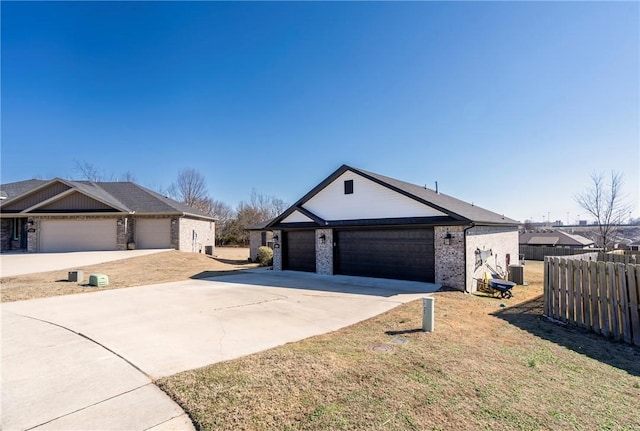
508	105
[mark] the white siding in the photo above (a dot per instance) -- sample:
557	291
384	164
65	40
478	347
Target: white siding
296	217
369	200
77	235
502	241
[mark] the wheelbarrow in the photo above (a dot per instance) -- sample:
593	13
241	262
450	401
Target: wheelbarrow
501	287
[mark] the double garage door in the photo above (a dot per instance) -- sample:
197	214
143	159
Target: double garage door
77	235
403	254
93	235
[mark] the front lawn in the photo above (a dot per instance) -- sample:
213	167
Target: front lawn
485	367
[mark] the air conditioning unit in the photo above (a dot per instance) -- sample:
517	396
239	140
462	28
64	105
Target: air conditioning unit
516	274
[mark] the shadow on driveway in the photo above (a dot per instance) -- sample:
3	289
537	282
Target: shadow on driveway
317	282
528	316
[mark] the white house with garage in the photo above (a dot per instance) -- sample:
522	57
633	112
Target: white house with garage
364	224
61	215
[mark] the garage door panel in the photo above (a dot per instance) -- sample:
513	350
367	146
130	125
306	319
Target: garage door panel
405	254
77	235
153	233
299	251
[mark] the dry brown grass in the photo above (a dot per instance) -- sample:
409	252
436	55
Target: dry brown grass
137	271
485	367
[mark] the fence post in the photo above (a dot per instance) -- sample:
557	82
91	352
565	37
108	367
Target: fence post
578	292
563	289
546	292
570	296
614	317
602	298
622	288
633	280
595	304
555	284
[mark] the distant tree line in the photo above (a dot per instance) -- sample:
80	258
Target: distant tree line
190	188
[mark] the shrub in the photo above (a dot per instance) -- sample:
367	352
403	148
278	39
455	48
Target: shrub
265	256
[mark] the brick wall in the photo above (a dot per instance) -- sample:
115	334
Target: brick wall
187	241
449	257
6	234
324	251
255	242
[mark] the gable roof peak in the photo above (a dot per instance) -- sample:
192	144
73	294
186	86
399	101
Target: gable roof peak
456	209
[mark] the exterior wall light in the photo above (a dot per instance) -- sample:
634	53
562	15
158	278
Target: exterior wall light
276	237
447	238
30	222
323	238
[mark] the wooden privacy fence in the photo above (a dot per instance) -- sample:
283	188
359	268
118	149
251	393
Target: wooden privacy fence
599	296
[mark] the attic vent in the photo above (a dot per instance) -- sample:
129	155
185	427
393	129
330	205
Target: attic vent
348	187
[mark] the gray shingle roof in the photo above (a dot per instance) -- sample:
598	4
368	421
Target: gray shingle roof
444	202
123	196
553	238
15	189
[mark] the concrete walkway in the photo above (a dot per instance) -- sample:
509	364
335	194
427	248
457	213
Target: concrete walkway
29	263
87	361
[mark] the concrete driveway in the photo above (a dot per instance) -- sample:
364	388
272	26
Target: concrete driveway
29	263
88	361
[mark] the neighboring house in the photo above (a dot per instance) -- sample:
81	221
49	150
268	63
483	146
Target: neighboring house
364	224
259	237
61	215
553	238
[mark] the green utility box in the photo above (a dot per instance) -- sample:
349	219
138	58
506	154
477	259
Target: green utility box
98	280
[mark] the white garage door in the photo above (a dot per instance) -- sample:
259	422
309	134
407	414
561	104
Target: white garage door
77	235
153	233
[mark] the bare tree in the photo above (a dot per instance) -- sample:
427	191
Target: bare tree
258	209
266	206
220	211
606	203
88	171
190	188
128	176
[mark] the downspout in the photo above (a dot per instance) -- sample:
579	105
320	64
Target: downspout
464	235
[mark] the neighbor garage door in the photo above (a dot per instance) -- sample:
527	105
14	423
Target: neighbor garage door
404	254
77	235
299	253
153	233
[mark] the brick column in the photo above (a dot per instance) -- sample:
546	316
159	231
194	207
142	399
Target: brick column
277	250
324	251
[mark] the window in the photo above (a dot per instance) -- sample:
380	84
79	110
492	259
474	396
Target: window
348	187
